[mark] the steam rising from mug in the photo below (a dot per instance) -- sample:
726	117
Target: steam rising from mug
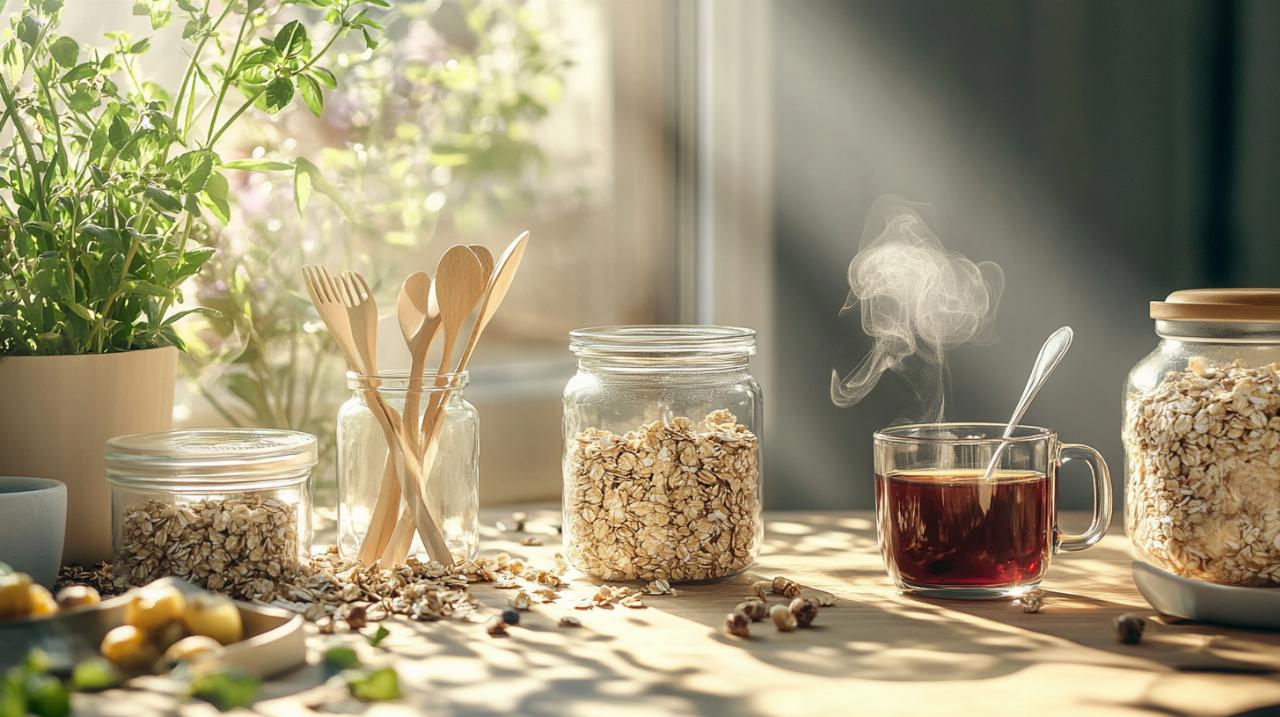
917	300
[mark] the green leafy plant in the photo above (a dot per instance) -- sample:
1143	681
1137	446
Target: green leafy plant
110	182
431	134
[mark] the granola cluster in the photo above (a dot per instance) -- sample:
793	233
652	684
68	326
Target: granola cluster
241	545
672	500
1203	480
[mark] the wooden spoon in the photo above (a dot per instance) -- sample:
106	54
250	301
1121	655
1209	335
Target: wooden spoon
495	292
486	259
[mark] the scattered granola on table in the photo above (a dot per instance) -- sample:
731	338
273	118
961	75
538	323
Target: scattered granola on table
672	500
1203	480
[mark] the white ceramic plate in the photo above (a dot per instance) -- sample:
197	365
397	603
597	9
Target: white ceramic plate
274	639
1208	602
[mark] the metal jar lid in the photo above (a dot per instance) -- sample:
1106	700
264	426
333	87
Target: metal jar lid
222	456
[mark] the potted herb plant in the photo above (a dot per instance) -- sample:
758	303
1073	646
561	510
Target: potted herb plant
107	184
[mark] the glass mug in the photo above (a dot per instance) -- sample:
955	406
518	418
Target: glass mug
946	531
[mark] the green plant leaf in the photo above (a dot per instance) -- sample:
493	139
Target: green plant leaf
164	199
325	77
379	635
93	675
304	174
140	46
278	94
291	41
311	95
118	133
65	51
214	197
82	71
374	685
337	659
191	170
226	690
257	164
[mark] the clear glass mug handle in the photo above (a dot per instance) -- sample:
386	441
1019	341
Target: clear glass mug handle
1101	496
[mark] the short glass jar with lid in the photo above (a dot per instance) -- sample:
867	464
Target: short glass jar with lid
662	456
227	509
1202	438
452	491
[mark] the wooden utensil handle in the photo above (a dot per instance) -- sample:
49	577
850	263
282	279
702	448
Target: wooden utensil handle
378	533
410	478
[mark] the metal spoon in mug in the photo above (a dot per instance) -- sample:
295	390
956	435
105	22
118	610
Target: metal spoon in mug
1051	353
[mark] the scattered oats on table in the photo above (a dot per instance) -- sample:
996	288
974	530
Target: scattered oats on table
1203	455
670	500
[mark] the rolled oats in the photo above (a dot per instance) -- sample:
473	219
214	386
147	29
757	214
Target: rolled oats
673	500
1202	450
241	545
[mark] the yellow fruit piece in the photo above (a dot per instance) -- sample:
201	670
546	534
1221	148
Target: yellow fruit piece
189	648
128	648
15	595
215	616
42	602
167	634
152	607
77	596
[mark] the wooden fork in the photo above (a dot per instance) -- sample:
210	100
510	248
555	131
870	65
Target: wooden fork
363	314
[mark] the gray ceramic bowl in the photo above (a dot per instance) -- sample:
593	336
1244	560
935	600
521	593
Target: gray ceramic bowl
33	520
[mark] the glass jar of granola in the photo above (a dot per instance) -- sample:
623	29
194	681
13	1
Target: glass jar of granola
227	509
1202	438
662	453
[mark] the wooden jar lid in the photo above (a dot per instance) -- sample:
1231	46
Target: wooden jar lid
1219	305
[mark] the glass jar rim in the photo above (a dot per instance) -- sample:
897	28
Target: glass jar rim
228	456
398	380
933	433
673	341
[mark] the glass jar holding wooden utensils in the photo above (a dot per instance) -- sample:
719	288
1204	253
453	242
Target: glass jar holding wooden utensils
467	282
453	483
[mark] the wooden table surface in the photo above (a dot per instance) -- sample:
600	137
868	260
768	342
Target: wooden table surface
873	653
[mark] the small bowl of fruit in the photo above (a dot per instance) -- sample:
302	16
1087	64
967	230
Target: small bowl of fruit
147	630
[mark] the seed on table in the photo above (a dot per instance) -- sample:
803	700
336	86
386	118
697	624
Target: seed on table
782	618
1031	602
358	617
496	627
325	625
511	617
755	609
826	599
1129	628
761	589
521	601
804	611
786	587
737	623
531	540
570	621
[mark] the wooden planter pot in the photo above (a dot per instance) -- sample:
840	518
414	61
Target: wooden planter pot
56	414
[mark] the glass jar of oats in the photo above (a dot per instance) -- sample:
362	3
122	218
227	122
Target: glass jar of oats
1202	438
228	509
662	453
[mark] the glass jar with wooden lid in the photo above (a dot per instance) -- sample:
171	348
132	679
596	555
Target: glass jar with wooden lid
1202	438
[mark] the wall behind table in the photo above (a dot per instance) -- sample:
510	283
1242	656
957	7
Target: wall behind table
1103	153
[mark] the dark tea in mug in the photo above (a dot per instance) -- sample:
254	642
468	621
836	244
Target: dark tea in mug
936	529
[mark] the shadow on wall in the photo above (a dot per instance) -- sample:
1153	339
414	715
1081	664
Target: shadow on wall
1069	143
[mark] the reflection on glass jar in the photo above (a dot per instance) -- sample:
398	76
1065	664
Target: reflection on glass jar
662	453
1202	438
453	482
227	509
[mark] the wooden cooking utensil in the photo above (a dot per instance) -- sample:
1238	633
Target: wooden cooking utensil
332	312
486	258
459	285
363	313
495	292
